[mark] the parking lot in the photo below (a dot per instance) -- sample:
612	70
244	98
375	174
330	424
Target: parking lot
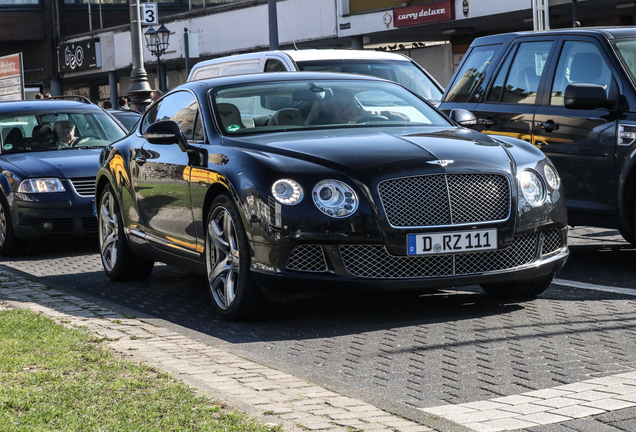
417	350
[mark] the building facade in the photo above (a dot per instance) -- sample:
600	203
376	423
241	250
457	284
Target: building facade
84	46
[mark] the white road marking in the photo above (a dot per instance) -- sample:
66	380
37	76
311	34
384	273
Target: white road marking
594	287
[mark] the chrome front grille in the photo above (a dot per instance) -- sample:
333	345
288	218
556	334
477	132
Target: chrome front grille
374	261
445	199
552	241
84	186
308	258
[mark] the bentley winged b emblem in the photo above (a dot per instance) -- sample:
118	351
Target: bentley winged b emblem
441	163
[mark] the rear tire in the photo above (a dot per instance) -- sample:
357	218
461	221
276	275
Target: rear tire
235	295
120	263
10	245
518	289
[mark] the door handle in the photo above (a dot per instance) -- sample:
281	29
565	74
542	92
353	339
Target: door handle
548	126
140	160
486	122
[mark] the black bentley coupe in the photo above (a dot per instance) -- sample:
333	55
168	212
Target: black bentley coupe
49	158
314	181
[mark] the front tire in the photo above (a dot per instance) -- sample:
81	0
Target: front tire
234	293
518	289
10	245
120	263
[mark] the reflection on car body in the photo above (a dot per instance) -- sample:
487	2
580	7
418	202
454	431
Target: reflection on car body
49	158
257	182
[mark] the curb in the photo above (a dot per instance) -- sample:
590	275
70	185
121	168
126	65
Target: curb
271	396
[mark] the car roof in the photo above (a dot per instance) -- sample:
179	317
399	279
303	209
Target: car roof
44	104
315	54
274	76
339	54
608	33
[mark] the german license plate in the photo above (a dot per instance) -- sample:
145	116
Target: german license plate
94	208
451	242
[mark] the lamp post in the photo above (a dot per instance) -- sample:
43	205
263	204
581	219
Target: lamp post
157	42
139	88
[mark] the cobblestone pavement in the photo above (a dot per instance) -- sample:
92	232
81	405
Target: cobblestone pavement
451	360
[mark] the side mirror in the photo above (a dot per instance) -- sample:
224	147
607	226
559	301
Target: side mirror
165	132
586	97
463	117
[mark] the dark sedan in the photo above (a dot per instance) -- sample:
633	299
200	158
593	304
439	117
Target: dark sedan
49	158
306	181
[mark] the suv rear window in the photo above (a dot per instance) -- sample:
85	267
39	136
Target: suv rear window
471	73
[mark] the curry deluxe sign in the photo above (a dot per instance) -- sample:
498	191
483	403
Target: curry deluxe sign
424	13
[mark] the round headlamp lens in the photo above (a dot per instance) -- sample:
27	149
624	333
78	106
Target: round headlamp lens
287	192
335	198
551	177
532	187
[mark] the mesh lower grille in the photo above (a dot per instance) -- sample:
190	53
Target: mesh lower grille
445	199
308	258
552	241
90	224
373	261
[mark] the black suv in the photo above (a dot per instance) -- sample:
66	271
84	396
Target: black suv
572	94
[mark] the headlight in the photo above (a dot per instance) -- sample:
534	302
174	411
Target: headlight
334	198
532	187
41	185
551	177
287	192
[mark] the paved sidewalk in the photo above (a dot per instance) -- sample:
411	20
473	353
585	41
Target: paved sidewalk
271	396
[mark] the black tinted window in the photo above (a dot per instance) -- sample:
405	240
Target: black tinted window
522	82
579	62
180	107
471	73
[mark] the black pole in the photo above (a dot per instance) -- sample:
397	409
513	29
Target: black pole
159	74
575	14
273	25
186	51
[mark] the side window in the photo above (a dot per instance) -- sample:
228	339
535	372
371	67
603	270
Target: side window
471	73
579	62
198	129
180	107
495	92
272	65
522	81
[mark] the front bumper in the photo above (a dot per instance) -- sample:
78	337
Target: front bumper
54	216
321	267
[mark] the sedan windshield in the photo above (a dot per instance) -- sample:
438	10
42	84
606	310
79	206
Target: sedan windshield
298	105
42	130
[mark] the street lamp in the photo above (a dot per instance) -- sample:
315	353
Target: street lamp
157	42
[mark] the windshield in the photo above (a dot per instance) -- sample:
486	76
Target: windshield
41	130
301	105
402	72
627	53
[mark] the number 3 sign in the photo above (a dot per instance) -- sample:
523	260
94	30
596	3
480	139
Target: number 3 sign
149	15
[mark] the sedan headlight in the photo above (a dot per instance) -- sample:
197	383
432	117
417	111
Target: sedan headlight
334	198
532	187
551	177
41	185
287	192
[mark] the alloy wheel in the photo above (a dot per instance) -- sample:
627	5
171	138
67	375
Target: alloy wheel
222	258
3	226
108	231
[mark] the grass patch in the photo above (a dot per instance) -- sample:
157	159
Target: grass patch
53	378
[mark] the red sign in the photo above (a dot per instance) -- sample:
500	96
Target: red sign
10	65
443	10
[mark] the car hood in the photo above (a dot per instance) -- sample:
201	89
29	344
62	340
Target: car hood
58	163
380	152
